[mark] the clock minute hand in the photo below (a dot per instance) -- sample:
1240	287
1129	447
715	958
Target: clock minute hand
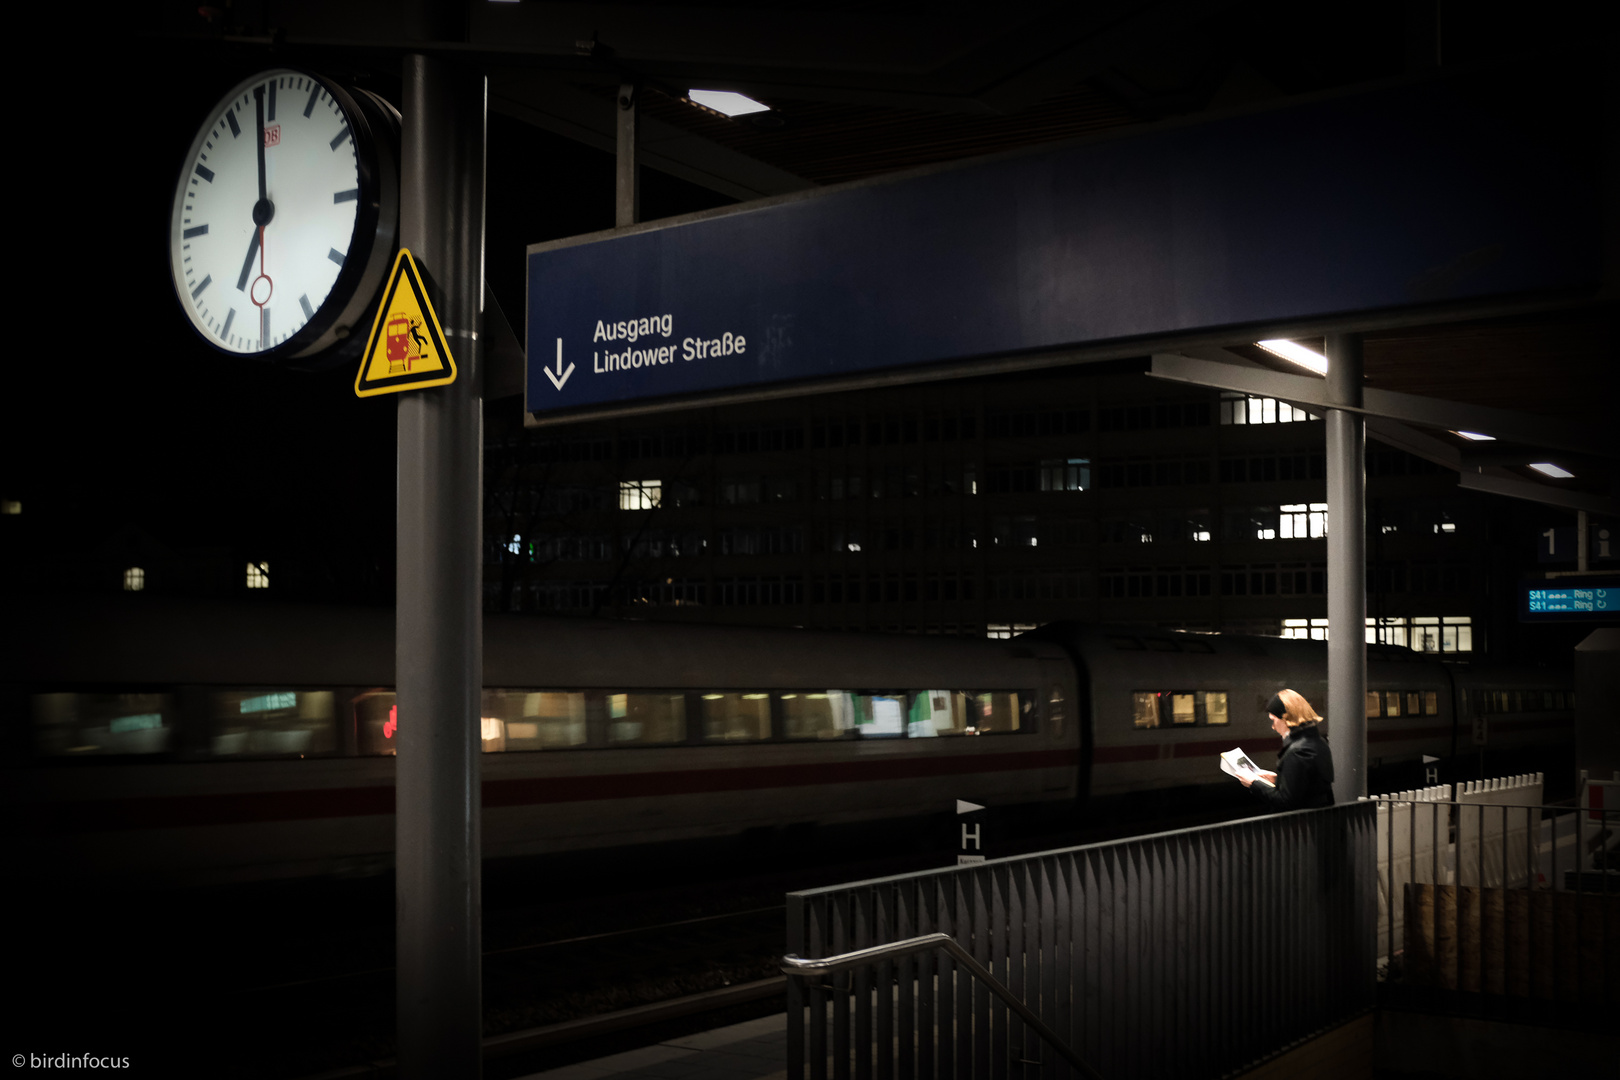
258	107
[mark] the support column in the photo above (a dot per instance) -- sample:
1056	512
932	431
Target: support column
1347	569
627	176
439	630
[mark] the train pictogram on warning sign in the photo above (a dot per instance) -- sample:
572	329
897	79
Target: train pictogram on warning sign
406	350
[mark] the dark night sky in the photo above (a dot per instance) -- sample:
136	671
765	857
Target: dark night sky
145	424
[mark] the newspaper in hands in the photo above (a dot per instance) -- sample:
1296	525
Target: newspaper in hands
1237	763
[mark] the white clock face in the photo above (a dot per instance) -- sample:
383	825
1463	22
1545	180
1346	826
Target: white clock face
265	214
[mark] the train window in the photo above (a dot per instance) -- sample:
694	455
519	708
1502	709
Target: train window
1144	709
1431	703
1373	702
815	716
101	724
1412	708
880	714
1181	709
271	723
1214	703
646	719
736	717
1392	703
533	719
1001	711
376	719
937	712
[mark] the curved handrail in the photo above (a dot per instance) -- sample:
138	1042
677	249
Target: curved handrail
801	968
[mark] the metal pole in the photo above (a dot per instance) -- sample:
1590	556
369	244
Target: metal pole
1347	569
627	177
439	632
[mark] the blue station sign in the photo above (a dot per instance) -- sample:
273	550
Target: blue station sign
1408	196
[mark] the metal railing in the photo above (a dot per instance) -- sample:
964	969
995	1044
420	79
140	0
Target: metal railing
800	968
1484	897
1190	953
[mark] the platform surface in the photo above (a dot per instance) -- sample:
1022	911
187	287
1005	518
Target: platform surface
752	1050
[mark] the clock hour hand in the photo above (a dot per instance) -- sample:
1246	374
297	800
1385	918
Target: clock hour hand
247	263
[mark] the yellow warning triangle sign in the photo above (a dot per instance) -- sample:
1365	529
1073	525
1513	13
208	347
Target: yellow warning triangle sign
406	350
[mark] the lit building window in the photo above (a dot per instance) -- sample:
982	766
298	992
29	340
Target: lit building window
258	575
639	494
134	579
10	506
1423	633
1313	629
1300	521
1008	630
1242	409
1066	474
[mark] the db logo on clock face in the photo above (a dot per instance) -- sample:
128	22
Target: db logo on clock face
272	135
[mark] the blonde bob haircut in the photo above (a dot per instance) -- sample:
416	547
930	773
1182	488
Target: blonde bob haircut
1299	710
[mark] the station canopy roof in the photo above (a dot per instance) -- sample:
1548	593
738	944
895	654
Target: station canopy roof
858	90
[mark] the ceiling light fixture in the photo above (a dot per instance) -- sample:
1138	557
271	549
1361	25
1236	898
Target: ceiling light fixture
1295	353
1547	468
1474	436
727	103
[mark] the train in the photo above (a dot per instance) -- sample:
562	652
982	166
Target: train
179	742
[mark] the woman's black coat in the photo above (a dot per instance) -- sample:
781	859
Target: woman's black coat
1304	772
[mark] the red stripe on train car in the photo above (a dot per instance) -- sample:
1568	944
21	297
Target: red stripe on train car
1114	755
179	811
532	790
1207	748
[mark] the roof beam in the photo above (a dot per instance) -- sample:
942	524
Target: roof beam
576	115
1390	405
1515	488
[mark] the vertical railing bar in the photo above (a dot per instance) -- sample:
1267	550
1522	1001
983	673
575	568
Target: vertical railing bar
1052	959
843	911
1110	986
795	989
927	998
963	991
883	991
1410	929
1435	878
1479	899
906	1025
862	922
1026	933
1007	923
817	928
1093	966
944	1016
987	942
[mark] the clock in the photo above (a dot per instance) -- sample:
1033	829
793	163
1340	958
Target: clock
286	218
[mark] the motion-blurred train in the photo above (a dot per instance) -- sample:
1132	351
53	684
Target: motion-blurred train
185	743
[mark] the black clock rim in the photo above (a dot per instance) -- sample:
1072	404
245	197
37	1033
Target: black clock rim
369	129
